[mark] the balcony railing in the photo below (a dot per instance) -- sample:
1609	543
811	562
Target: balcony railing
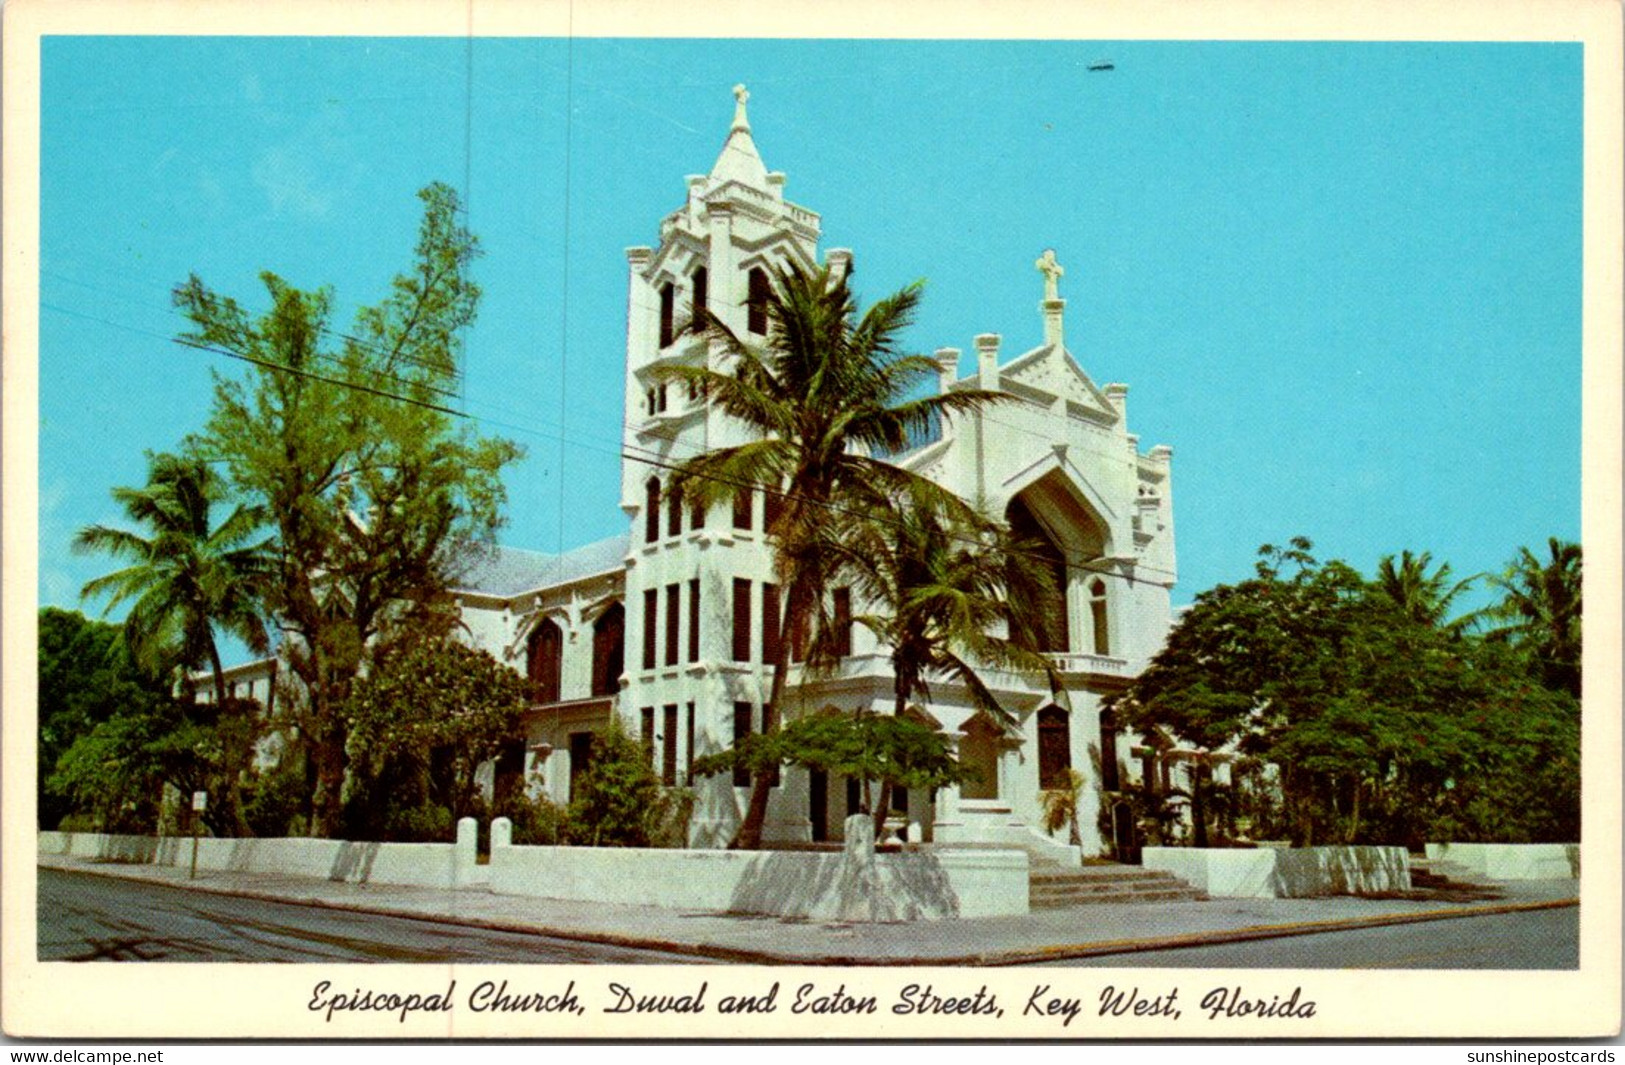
1077	662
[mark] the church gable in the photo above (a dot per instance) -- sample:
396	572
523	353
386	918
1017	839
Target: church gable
1053	373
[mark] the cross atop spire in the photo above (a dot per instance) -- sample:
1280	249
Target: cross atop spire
739	161
1052	272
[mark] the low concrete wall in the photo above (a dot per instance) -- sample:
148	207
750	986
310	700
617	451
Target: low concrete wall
1271	872
405	864
853	885
1513	861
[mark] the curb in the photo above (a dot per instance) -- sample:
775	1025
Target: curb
991	958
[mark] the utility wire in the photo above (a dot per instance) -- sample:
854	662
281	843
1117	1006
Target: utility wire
626	452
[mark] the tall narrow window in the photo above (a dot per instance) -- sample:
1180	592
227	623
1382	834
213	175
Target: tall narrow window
770	623
546	653
608	650
649	734
702	282
843	621
581	750
772	510
1054	747
742	514
741	647
668	745
696	517
651	510
668	305
1097	612
757	290
1109	776
673	616
694	620
688	757
660	400
741	730
674	512
651	611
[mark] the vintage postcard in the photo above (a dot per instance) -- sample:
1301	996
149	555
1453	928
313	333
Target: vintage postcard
626	520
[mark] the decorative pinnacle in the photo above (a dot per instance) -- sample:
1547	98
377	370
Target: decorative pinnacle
1052	272
741	94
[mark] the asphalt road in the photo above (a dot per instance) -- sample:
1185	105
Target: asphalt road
1535	939
83	917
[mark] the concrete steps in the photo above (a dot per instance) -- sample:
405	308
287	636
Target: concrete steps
1052	885
1053	888
1444	877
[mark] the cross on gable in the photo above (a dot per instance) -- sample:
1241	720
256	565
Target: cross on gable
1052	272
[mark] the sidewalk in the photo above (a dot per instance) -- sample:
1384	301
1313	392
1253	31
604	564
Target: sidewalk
1044	935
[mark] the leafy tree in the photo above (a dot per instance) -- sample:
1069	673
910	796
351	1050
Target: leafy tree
821	397
618	800
941	590
343	439
186	578
421	722
898	751
86	678
1423	597
1377	724
1540	612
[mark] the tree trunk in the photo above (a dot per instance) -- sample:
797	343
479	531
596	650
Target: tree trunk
900	690
234	737
749	834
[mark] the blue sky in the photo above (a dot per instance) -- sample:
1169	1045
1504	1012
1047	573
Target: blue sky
1341	280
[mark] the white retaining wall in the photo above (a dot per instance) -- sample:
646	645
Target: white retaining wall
1270	872
1513	861
442	865
852	885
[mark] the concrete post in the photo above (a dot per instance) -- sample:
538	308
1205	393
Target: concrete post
466	851
858	889
501	833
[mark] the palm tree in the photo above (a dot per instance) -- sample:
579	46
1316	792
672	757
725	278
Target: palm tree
1541	610
1423	597
822	396
942	590
186	577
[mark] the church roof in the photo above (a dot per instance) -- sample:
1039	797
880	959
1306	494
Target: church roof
739	160
504	572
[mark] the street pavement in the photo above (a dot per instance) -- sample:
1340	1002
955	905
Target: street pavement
1044	935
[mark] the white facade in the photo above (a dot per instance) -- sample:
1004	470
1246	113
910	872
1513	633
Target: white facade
1058	459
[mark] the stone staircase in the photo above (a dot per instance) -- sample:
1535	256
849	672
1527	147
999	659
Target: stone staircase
1441	877
1053	885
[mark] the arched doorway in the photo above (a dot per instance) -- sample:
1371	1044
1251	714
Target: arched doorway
1046	619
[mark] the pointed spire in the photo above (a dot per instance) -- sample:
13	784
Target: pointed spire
739	160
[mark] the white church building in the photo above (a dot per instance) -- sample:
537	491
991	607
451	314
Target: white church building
663	626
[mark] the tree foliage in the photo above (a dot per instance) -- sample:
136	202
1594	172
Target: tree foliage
1382	725
420	723
343	439
86	679
825	393
618	800
898	751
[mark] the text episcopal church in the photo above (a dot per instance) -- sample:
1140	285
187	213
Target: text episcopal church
664	626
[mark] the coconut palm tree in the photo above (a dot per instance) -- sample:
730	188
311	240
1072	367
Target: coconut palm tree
1424	597
1540	609
186	577
940	588
822	397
